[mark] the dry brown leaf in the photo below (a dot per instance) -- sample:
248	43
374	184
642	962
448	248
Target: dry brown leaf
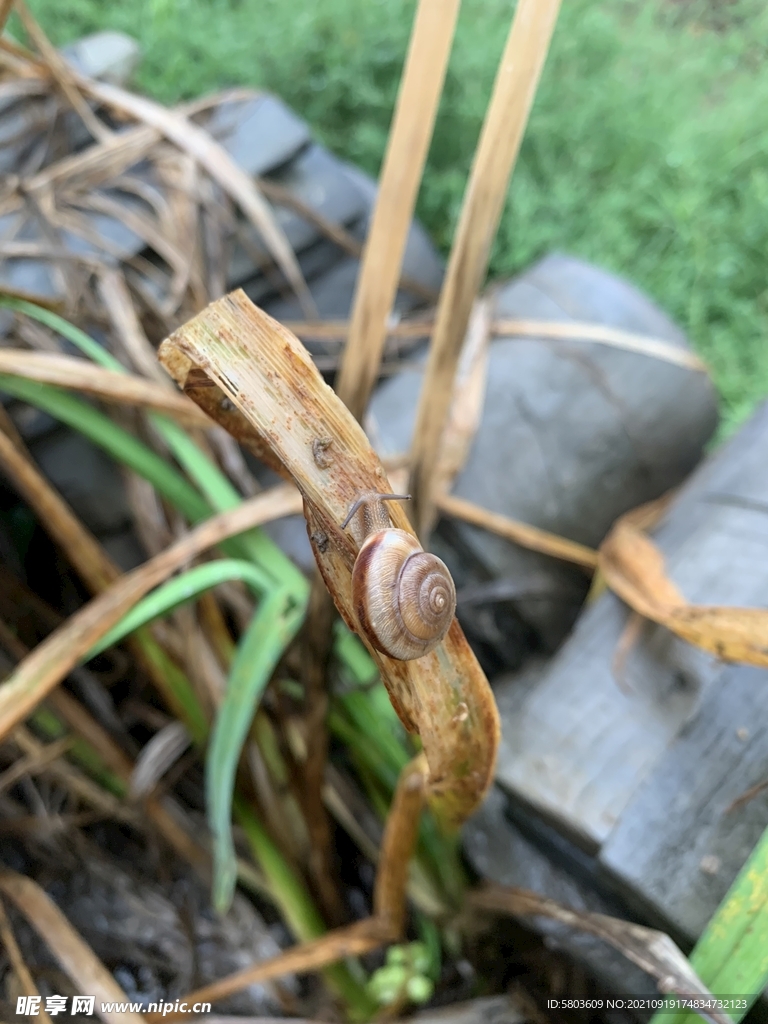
61	73
634	569
51	660
109	159
215	160
466	408
78	374
652	951
602	335
264	371
409	138
157	756
389	903
75	957
164	815
505	120
526	536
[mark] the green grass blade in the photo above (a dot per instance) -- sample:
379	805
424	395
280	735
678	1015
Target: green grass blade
79	338
298	910
179	590
218	490
272	628
207	476
353	656
48	724
118	442
731	957
177	690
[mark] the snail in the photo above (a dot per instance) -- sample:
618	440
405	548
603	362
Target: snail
403	596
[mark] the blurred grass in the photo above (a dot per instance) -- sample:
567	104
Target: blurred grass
644	152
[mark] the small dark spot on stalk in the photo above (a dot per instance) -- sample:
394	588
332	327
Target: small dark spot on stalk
320	540
320	446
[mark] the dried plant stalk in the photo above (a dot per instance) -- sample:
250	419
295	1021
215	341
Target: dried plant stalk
505	121
263	370
81	375
215	160
389	903
415	112
61	73
5	10
51	660
553	330
530	537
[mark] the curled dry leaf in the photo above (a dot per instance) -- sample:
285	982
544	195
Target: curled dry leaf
633	567
75	957
652	951
257	366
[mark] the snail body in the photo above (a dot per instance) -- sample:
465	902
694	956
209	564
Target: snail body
403	596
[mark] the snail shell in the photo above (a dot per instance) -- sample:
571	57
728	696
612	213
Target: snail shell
403	596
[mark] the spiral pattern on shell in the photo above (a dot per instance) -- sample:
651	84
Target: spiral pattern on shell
404	597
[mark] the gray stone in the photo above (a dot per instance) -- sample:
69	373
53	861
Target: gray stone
260	134
679	845
320	181
501	852
332	278
640	771
572	434
109	56
30	422
86	478
333	292
271	290
421	261
21	126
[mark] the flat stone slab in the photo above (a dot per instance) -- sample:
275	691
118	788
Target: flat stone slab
320	181
640	772
109	56
260	134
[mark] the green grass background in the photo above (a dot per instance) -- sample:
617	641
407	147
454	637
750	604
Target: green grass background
646	150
